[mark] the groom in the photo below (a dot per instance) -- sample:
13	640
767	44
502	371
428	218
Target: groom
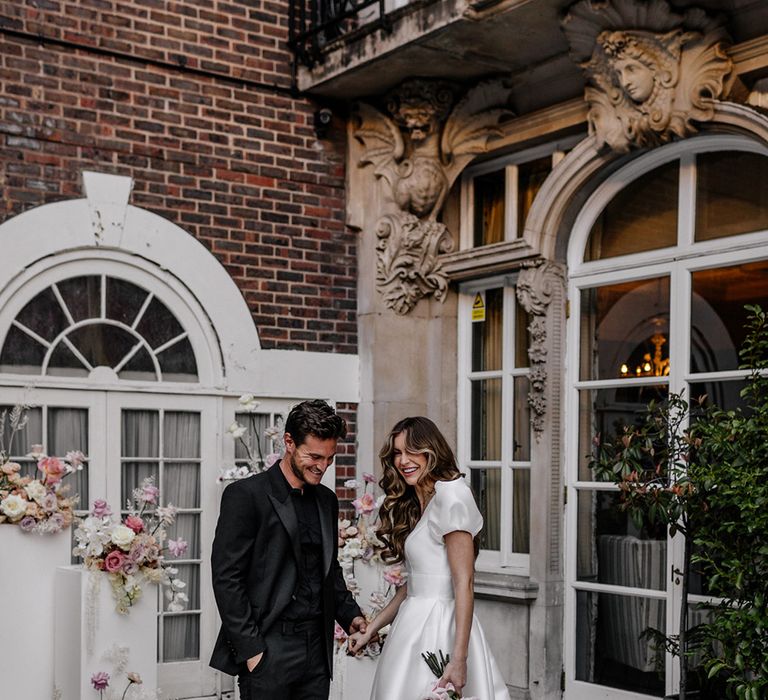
277	581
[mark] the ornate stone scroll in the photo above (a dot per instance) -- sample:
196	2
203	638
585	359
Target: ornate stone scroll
417	153
652	72
536	287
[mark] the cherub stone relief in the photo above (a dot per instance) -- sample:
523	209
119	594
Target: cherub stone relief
417	153
651	72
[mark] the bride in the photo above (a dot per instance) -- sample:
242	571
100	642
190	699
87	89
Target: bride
428	520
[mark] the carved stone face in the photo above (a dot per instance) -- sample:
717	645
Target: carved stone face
419	120
635	78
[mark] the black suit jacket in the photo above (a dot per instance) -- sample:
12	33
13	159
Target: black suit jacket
254	561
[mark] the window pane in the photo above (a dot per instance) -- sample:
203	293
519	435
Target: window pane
718	316
21	445
190	574
158	325
522	337
611	648
643	216
486	419
82	295
44	315
21	354
521	510
181	486
68	431
486	483
139	368
725	395
181	637
603	413
103	345
124	300
612	549
489	208
140	434
181	434
625	330
177	363
133	474
64	363
731	194
530	178
487	335
258	444
521	449
187	526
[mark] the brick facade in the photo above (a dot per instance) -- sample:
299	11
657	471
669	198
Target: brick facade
193	100
346	458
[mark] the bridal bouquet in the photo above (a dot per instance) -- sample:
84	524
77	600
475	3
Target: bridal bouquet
437	666
131	551
41	505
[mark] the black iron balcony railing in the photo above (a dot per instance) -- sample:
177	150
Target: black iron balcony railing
313	25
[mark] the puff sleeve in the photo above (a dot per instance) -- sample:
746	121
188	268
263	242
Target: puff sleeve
453	508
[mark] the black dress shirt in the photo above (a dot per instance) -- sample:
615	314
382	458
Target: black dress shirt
306	603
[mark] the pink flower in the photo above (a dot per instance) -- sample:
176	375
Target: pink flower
114	561
369	478
100	508
100	680
177	547
271	459
75	458
394	575
135	523
149	493
365	504
339	633
53	469
50	502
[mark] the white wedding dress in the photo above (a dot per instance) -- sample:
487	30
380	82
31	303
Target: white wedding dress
425	621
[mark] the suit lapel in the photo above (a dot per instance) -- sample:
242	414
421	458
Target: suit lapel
326	531
284	509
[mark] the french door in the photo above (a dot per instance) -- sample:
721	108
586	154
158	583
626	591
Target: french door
128	436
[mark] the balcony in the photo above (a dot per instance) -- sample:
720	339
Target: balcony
351	49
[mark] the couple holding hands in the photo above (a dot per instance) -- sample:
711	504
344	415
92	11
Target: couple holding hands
279	587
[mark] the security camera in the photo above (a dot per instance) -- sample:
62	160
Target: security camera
323	116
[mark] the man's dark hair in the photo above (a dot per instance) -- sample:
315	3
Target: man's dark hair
316	418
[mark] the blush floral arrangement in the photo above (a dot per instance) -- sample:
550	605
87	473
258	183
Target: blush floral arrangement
437	663
255	463
358	543
131	551
39	504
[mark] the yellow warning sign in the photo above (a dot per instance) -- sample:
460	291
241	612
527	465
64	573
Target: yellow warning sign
478	307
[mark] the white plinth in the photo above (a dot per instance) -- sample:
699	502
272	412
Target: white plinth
81	652
352	677
27	595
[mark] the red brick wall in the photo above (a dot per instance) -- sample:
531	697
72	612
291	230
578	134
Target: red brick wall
192	99
346	460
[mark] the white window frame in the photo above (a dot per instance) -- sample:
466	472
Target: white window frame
677	263
504	559
510	163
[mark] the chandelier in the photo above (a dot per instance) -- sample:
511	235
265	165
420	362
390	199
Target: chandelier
656	366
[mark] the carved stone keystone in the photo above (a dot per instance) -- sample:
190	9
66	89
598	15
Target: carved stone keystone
652	71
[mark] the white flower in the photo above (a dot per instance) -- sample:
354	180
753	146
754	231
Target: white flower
236	430
35	490
249	402
272	432
353	548
36	452
352	484
13	506
122	536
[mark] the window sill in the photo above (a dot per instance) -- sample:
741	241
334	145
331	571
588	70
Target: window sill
498	585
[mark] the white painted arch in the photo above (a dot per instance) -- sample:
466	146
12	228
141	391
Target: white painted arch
102	232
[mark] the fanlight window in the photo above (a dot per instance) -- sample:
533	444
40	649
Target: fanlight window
101	324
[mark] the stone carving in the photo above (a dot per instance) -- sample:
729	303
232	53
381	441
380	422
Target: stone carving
536	286
418	153
652	72
408	266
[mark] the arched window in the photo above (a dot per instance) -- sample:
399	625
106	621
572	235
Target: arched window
97	323
662	260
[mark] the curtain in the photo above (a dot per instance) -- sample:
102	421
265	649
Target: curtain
176	469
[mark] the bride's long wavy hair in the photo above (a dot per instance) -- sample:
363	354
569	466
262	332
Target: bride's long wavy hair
401	510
